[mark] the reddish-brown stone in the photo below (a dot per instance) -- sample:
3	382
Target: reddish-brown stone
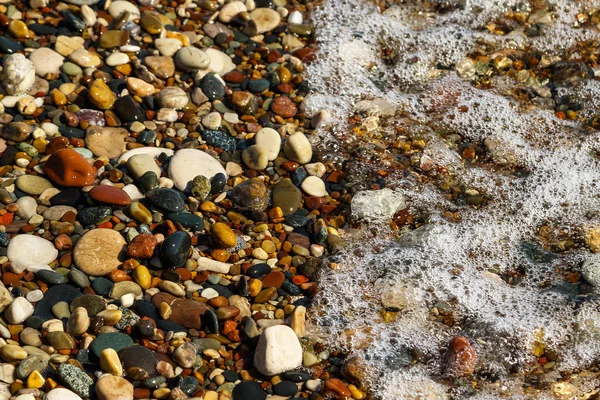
110	195
273	279
57	143
66	167
461	357
284	107
338	388
185	312
142	246
233	77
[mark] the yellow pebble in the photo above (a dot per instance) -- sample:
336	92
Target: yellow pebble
110	363
211	395
142	276
161	393
356	392
35	380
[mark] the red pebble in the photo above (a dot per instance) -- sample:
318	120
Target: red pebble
461	357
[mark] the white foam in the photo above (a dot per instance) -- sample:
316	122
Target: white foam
459	265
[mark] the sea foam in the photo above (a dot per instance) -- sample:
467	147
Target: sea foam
402	62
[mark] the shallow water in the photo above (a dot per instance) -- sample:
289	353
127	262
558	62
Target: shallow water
501	272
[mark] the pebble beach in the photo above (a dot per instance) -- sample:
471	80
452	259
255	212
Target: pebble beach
280	199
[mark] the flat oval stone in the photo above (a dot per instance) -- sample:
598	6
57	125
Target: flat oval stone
110	195
92	303
138	357
67	168
286	196
32	184
97	252
186	164
188	221
167	199
175	249
189	57
114	340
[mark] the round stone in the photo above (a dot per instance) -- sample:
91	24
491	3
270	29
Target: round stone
255	157
189	163
173	97
298	148
284	107
175	249
189	57
110	195
32	184
223	235
266	19
251	195
248	390
97	252
314	186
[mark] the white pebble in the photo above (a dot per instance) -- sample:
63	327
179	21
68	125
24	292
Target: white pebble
314	186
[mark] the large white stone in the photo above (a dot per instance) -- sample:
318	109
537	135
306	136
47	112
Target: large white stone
270	140
46	61
189	163
18	311
278	350
220	62
153	151
26	250
208	264
27	207
298	148
61	394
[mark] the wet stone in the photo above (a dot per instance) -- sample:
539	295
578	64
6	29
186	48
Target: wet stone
92	303
167	199
102	286
93	215
212	87
248	390
138	357
75	379
114	340
188	221
286	196
53	295
251	195
175	249
219	139
128	110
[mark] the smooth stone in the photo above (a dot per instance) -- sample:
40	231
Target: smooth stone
140	87
50	277
110	195
15	131
285	388
175	249
212	120
189	58
298	148
314	186
65	45
93	215
167	47
78	322
32	184
219	139
120	289
188	221
97	252
67	168
18	74
269	140
75	379
27	207
153	151
60	340
163	67
128	110
223	235
266	19
220	62
316	169
258	270
118	7
46	61
92	303
114	340
152	24
278	350
255	157
185	312
62	393
110	387
85	58
18	311
30	364
138	357
67	293
212	87
173	97
248	390
185	355
186	164
251	195
140	164
101	95
167	199
55	213
105	141
114	38
230	10
26	250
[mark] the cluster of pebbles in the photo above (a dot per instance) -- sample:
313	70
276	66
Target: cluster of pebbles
162	215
